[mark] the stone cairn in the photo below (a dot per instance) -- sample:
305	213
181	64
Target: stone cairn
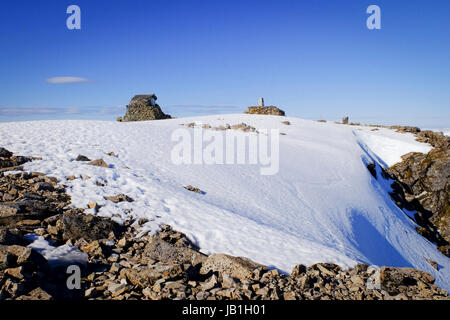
144	108
261	109
261	102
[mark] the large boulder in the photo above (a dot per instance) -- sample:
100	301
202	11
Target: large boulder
15	255
238	267
76	225
9	161
166	252
5	153
144	108
269	110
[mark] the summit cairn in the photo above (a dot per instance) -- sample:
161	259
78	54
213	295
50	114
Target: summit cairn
261	109
261	102
143	107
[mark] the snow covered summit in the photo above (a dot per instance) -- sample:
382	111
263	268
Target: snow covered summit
323	205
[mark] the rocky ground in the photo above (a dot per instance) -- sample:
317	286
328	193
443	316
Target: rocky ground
167	265
423	184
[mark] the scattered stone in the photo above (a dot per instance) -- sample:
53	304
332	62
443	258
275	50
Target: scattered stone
93	205
36	294
120	198
194	189
433	263
99	163
117	289
243	127
82	158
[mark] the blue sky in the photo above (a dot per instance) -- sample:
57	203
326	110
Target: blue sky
313	58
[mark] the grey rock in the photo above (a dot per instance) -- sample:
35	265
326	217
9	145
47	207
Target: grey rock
7	211
194	189
5	153
210	283
82	158
433	263
76	225
120	198
43	186
98	163
237	267
166	252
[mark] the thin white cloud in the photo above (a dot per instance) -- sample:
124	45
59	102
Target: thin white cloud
26	111
61	80
72	111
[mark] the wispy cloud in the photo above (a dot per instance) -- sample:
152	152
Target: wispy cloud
18	112
62	80
25	111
